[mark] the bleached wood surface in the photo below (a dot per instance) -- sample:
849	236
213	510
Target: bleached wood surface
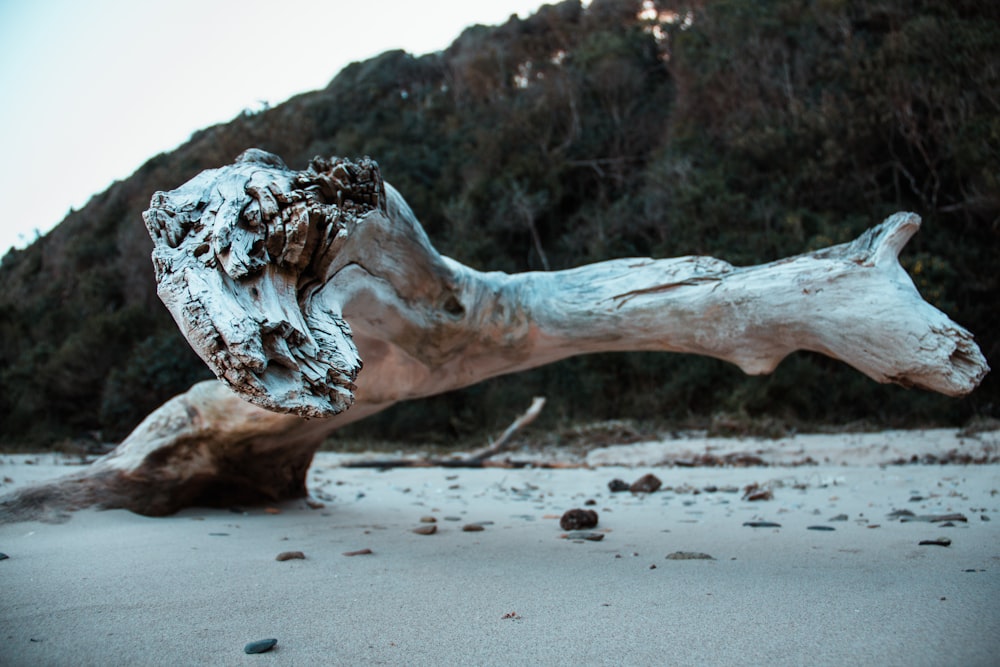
317	294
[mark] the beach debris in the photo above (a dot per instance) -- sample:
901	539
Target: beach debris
428	519
648	483
428	529
939	542
820	528
473	527
618	485
840	517
359	552
755	492
583	535
290	555
578	519
511	615
907	516
260	646
762	524
688	555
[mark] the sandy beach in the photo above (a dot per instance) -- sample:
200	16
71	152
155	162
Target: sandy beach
691	574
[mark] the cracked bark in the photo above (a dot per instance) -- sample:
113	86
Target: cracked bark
285	282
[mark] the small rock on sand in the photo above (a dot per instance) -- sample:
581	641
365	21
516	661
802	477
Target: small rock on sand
290	555
583	535
428	529
618	485
689	555
428	519
359	552
762	524
578	519
820	528
648	483
260	646
473	527
939	542
4	556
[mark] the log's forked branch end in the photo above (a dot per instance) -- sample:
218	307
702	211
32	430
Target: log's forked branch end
880	246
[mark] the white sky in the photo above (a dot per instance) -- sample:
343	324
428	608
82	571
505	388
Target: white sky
91	89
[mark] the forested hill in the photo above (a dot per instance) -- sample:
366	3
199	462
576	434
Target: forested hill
743	130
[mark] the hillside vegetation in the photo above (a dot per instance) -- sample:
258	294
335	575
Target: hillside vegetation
743	130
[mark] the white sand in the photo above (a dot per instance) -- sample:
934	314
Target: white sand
114	588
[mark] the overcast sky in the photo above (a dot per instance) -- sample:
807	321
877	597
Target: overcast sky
91	89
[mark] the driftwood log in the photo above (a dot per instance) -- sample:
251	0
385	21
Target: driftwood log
316	296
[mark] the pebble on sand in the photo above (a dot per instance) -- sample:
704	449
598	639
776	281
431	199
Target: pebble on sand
618	485
648	483
820	528
578	519
688	555
583	535
359	552
473	527
4	556
428	529
290	555
260	646
939	542
762	524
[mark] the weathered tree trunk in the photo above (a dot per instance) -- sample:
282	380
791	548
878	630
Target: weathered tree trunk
284	282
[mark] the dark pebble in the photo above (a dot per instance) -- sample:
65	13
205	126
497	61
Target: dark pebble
820	528
840	517
584	535
762	524
939	542
646	484
4	556
984	517
578	519
219	534
260	646
688	555
429	529
473	527
290	555
899	514
934	518
591	502
618	485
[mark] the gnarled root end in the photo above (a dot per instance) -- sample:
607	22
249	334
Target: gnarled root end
239	253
